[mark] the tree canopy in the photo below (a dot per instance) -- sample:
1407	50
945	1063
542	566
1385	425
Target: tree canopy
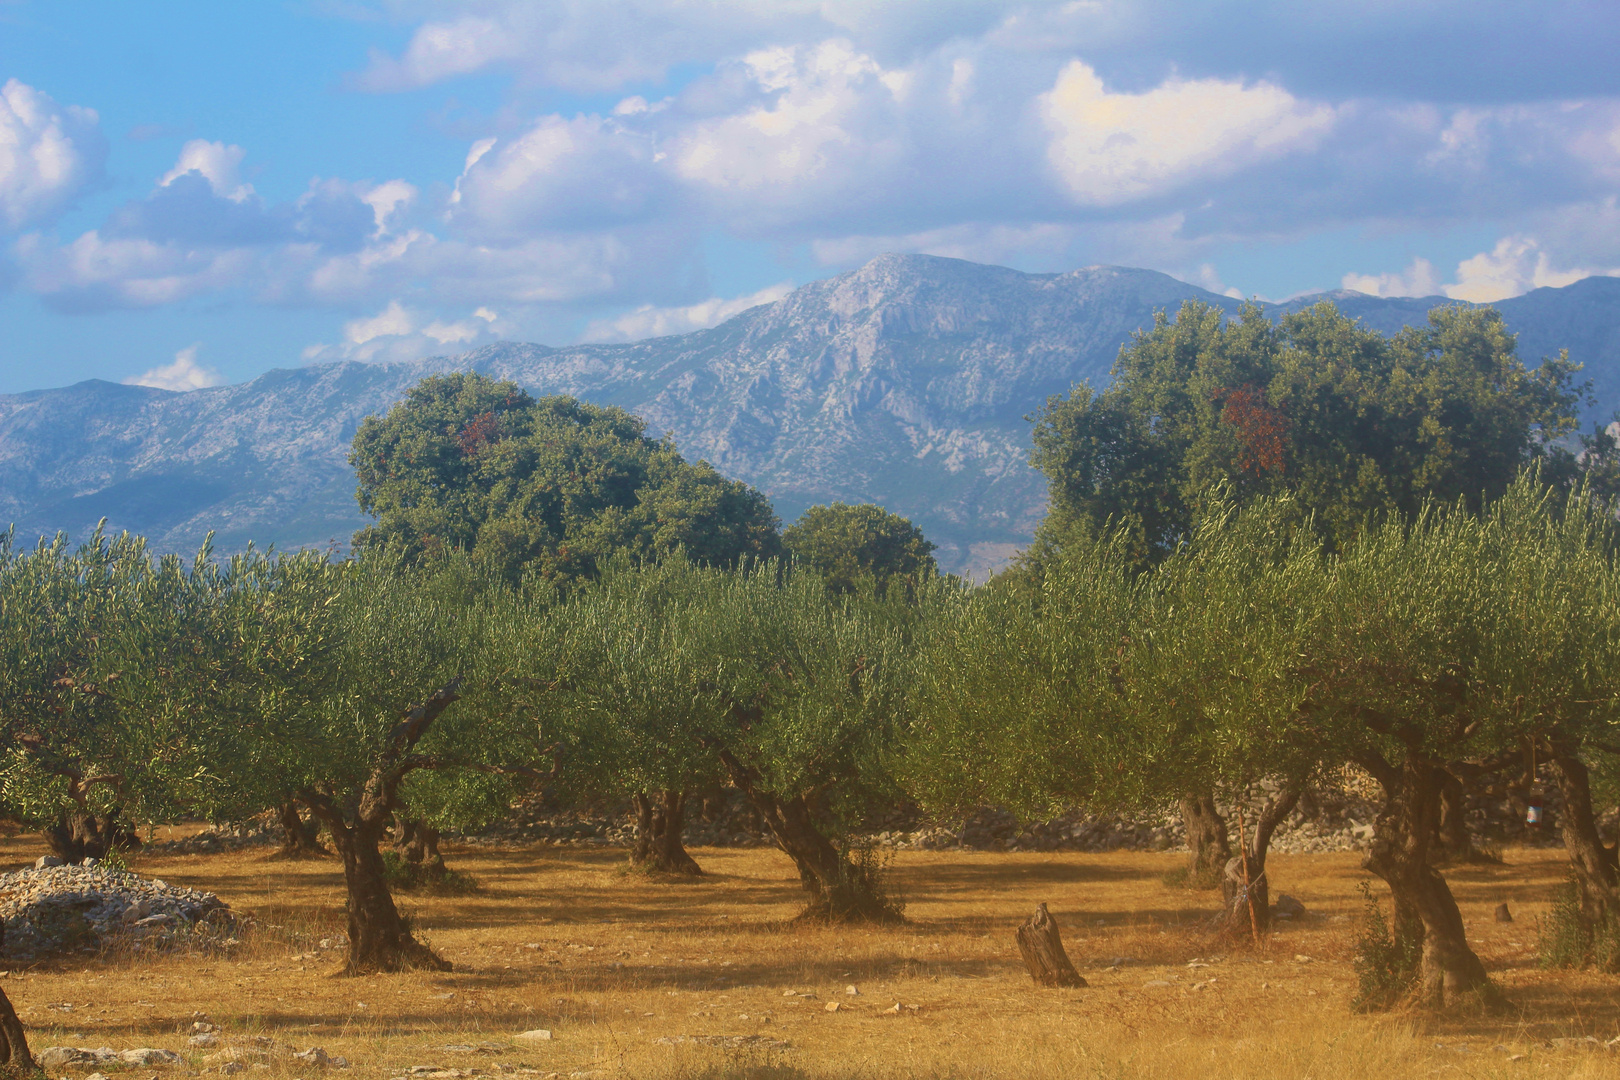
1348	421
848	545
550	485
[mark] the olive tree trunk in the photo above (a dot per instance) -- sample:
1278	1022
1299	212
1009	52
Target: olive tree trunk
1594	864
417	844
839	890
300	839
660	818
1244	885
1207	838
77	835
14	1054
379	939
1448	969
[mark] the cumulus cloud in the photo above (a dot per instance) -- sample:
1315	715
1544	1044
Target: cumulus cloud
49	154
399	333
215	162
1418	279
1108	148
648	321
560	174
1048	136
184	374
1515	265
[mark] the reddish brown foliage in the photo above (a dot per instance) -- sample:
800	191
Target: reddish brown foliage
482	430
1262	430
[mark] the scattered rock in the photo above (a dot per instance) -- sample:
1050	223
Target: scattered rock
56	1057
834	1006
1287	907
1588	1043
146	1057
1502	914
206	1040
1301	958
852	991
45	862
537	1035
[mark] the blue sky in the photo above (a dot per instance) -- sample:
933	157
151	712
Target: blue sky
193	193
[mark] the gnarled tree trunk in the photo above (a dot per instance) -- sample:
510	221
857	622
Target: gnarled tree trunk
1595	865
1448	969
1248	900
1207	839
379	940
77	835
14	1052
660	818
300	839
417	843
840	891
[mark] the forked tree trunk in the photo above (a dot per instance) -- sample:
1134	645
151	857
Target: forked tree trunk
840	891
660	819
1594	864
14	1054
1207	838
1248	902
1448	970
1042	949
300	839
379	940
77	835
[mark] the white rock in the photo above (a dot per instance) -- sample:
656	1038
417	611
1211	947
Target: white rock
537	1035
852	991
146	1057
47	861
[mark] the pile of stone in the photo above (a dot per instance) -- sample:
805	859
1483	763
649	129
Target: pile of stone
54	909
218	838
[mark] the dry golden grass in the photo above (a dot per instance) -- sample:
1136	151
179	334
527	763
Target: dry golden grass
562	939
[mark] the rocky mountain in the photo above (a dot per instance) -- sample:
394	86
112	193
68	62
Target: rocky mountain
905	382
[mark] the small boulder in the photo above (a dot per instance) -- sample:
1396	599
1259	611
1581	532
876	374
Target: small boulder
145	1057
1502	914
1287	907
45	862
537	1035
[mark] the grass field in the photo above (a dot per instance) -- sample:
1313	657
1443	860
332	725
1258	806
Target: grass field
610	963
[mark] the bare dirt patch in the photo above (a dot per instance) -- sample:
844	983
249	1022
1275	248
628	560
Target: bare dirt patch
643	978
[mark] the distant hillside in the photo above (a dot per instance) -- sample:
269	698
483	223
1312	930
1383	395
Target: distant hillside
905	382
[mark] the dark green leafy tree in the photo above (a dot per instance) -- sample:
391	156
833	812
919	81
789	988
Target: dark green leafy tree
1347	421
551	486
854	545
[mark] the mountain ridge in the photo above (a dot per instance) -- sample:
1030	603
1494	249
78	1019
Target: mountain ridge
904	382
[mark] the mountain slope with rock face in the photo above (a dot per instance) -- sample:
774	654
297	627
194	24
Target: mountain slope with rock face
906	382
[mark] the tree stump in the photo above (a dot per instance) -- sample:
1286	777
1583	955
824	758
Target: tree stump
1043	953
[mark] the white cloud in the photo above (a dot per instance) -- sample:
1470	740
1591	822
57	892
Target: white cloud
648	321
1205	277
217	163
1515	265
49	154
184	374
1418	279
562	175
400	333
1110	148
827	96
